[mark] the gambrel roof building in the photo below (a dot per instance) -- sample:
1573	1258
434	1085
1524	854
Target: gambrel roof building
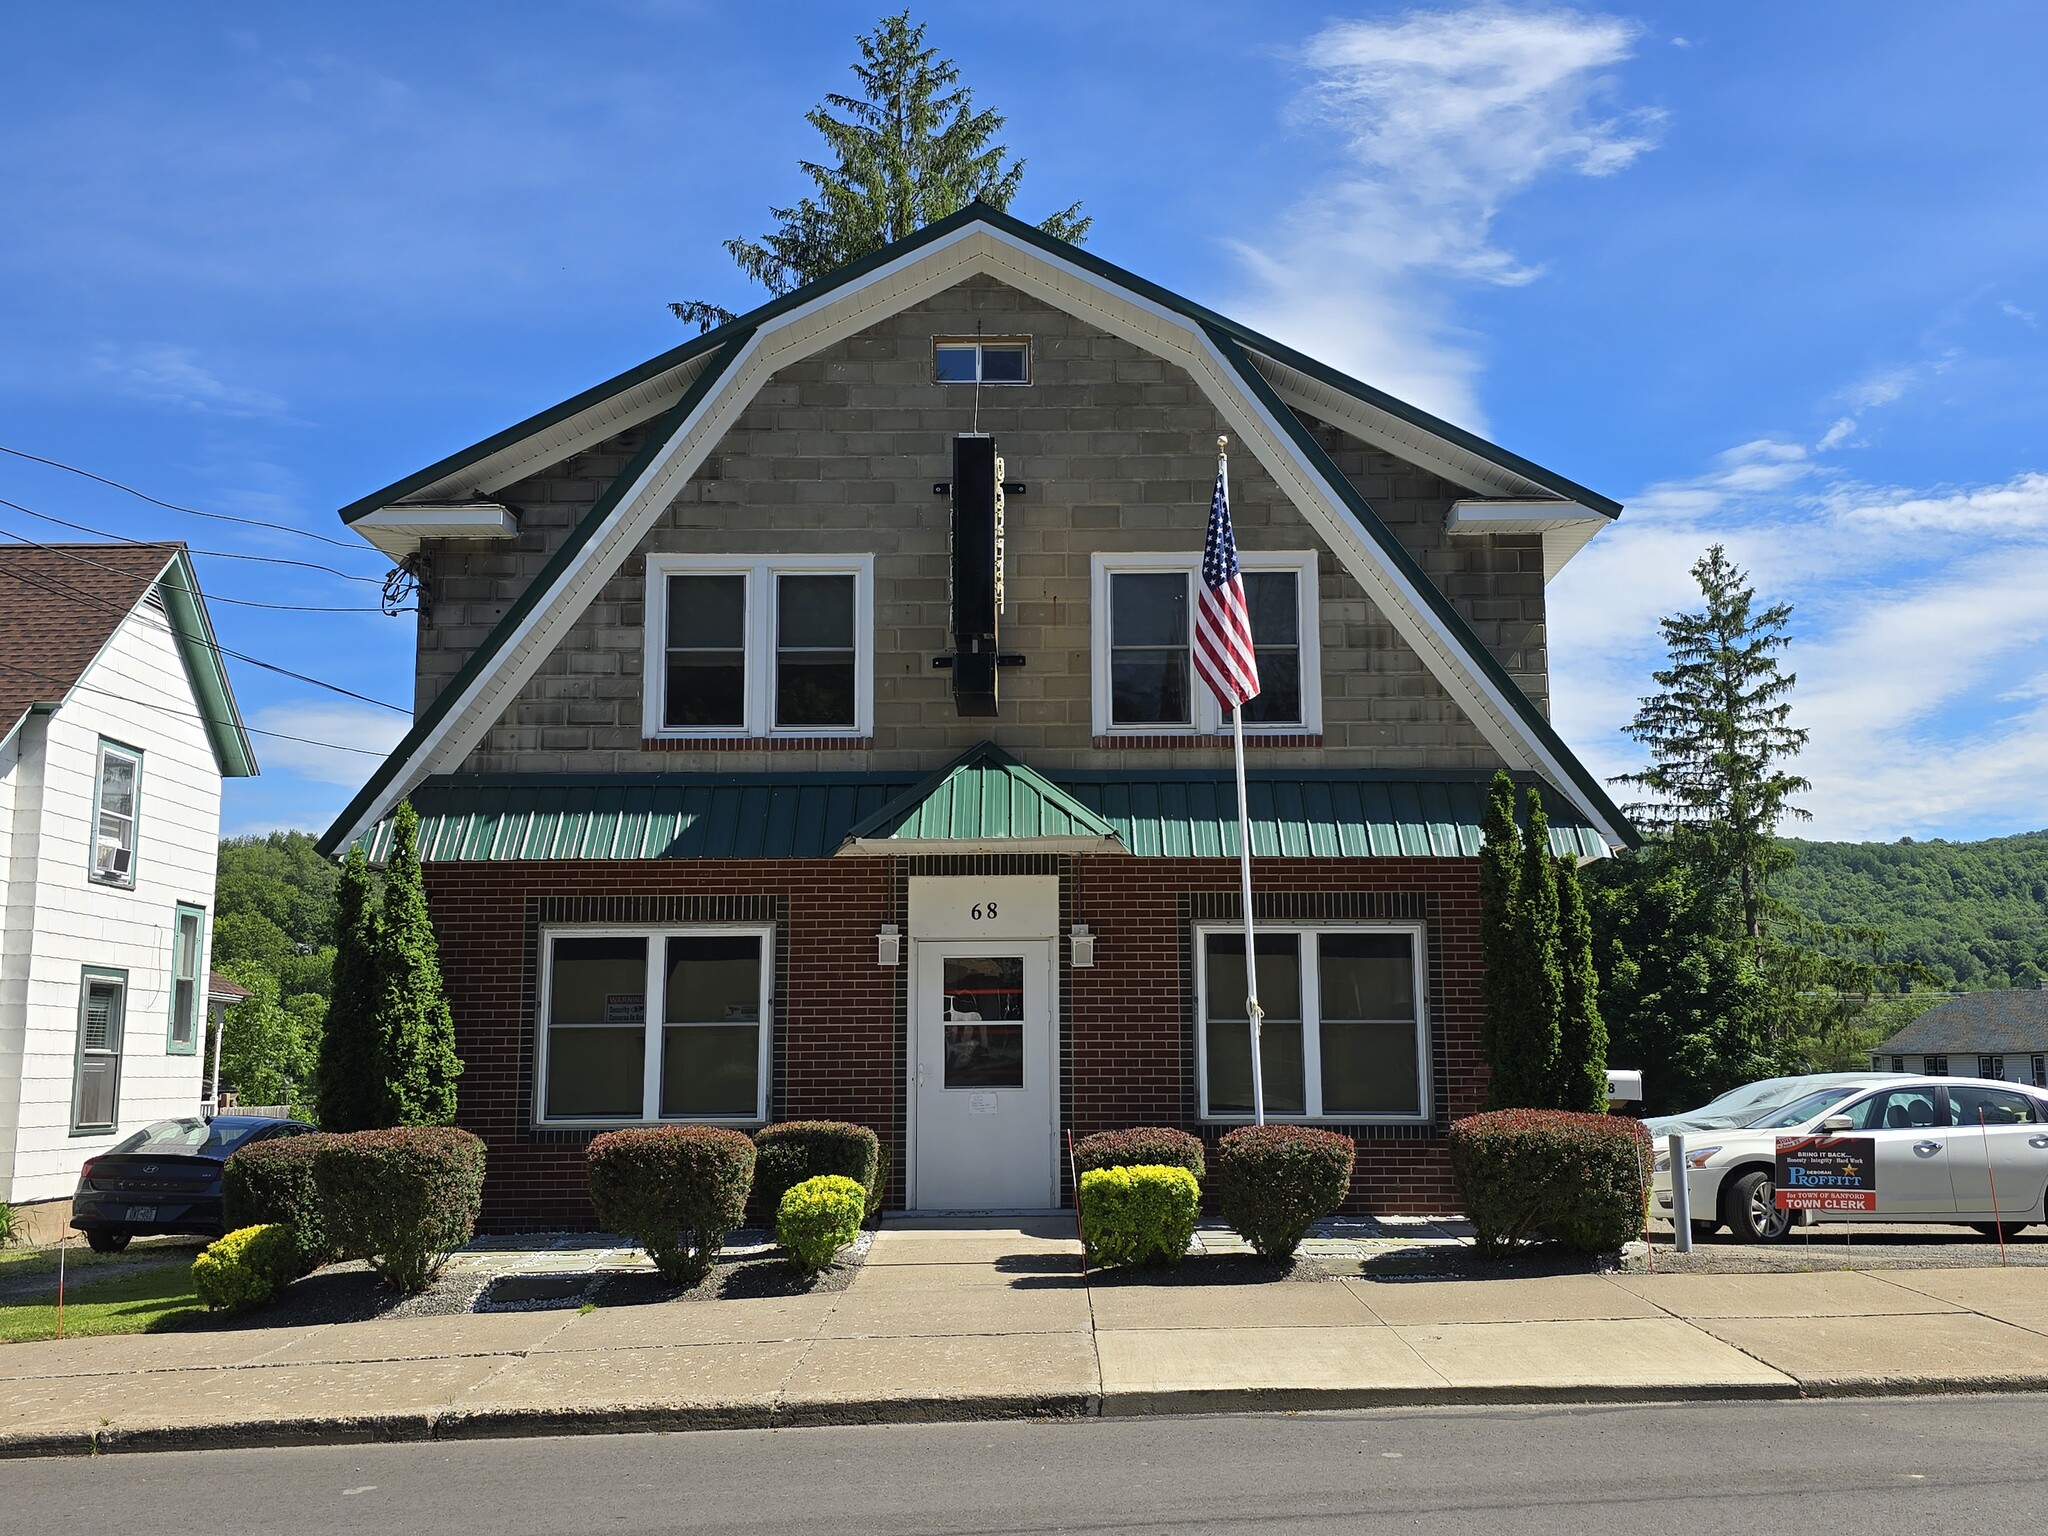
806	727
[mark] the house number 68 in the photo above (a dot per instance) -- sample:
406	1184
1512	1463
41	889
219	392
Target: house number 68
982	910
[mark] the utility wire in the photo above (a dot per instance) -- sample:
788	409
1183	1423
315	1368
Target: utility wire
226	517
218	554
74	594
213	597
184	714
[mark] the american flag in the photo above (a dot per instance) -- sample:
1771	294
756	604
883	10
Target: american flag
1223	625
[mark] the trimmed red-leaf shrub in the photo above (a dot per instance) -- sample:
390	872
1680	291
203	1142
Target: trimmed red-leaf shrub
1148	1146
1273	1182
676	1190
270	1183
786	1155
1577	1179
402	1199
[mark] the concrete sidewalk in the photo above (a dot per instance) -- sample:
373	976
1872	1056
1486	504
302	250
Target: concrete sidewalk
972	1320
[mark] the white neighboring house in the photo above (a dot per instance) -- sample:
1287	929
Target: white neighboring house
117	725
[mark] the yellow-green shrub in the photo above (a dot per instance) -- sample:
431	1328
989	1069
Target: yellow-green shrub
247	1267
819	1217
1141	1215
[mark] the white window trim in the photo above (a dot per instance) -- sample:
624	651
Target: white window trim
1208	719
760	572
977	343
653	1022
109	748
1311	1022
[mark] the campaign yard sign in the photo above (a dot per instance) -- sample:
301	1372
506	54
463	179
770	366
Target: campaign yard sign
1827	1173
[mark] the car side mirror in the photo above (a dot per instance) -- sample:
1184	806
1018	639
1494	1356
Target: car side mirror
1838	1123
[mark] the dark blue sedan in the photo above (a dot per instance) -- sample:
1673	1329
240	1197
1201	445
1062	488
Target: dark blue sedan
165	1179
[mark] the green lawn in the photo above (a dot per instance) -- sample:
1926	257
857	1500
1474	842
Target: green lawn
132	1303
19	1263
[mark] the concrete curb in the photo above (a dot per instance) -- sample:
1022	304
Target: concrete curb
524	1423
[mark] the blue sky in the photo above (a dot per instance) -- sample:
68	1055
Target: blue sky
1774	275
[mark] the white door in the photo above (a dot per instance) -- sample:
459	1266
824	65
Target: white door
1996	1133
983	1069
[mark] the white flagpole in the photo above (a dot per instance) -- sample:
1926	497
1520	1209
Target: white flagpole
1253	1012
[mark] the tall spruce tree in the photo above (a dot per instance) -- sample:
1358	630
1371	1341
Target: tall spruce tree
909	150
1719	732
416	1030
351	1068
1581	1077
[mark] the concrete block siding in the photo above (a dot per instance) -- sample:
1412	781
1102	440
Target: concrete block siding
839	454
839	1049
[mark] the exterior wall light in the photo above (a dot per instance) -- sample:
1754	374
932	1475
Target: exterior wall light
889	945
1084	946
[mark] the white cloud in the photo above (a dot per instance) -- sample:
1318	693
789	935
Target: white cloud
1881	388
2028	316
174	376
371	732
1444	116
1838	434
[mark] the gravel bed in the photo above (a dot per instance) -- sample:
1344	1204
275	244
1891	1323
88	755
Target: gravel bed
1883	1248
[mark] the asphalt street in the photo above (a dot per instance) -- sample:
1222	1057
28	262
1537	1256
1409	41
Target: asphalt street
1955	1463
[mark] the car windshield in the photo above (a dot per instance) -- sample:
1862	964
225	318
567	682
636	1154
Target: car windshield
189	1138
1807	1107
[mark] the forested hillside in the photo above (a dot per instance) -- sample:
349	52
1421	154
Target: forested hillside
1975	914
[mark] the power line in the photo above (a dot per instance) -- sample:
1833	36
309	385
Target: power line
186	714
74	594
171	506
216	597
218	554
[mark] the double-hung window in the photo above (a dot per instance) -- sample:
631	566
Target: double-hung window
96	1073
188	926
117	794
760	646
1344	1033
655	1024
1143	631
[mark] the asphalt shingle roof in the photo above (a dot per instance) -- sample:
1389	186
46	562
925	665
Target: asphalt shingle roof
1977	1024
59	604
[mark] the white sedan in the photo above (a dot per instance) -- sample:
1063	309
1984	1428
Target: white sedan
1944	1149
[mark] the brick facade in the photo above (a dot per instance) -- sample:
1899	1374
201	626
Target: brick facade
839	1044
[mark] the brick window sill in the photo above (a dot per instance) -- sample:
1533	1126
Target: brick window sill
757	743
1199	743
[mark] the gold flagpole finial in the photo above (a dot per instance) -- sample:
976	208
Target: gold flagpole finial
1222	445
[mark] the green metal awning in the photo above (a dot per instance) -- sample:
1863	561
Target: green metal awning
985	799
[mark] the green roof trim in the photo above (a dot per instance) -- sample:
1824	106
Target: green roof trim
983	795
489	818
207	668
486	655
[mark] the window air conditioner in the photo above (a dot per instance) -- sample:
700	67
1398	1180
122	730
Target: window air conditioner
112	859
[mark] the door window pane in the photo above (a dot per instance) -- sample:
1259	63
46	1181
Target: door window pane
984	1030
1366	985
597	1028
1148	658
707	652
1280	1035
814	650
1276	635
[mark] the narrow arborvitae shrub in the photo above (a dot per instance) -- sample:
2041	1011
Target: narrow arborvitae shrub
1578	1179
416	1032
676	1190
272	1182
1272	1182
401	1199
1151	1146
787	1154
817	1218
350	1070
246	1268
1500	874
1525	1032
1581	1077
879	1190
1140	1214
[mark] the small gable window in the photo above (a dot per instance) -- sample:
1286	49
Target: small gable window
981	360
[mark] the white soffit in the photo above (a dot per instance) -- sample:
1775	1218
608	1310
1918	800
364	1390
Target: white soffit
1565	526
840	312
399	529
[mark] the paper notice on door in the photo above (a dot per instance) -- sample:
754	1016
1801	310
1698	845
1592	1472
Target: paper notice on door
981	1103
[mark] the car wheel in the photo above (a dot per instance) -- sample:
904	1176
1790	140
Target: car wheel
1750	1208
107	1239
1989	1230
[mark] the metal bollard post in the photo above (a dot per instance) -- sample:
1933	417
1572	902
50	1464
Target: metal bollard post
1681	1195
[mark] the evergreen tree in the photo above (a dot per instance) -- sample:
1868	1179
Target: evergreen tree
351	1067
416	1033
1500	859
1582	1033
1720	730
1525	998
909	150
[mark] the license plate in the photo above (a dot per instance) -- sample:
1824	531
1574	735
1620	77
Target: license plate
142	1213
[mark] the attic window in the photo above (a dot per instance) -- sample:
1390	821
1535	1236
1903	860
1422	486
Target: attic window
981	359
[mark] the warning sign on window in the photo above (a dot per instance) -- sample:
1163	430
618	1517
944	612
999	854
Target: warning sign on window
1827	1173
